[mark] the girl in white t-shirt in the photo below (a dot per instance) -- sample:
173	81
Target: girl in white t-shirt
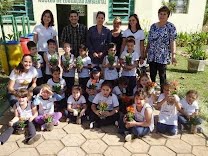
129	62
143	83
20	77
134	29
139	120
169	105
76	105
25	113
68	64
105	107
47	118
111	64
83	65
58	86
44	31
189	108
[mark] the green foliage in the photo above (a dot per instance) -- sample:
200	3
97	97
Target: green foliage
182	39
195	46
128	59
66	63
5	6
170	5
54	60
57	88
111	59
22	124
49	119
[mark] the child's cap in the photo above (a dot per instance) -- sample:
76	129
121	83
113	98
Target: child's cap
96	69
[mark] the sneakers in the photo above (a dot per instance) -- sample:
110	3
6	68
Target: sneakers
92	125
34	139
128	137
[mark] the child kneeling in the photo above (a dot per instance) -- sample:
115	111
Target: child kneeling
24	114
105	107
139	119
47	118
76	105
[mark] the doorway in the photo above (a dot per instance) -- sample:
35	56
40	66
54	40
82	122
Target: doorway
63	15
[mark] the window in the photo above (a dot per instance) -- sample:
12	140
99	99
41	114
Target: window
181	6
22	7
121	8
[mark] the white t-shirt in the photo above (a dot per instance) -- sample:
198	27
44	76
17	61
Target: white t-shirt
25	113
85	71
189	109
23	80
117	91
44	34
168	113
61	83
48	55
40	60
135	57
108	73
71	101
140	116
71	72
45	106
111	100
139	35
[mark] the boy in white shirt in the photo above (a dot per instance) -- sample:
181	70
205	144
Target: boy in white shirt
37	61
129	63
190	108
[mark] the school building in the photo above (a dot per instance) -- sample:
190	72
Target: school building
188	17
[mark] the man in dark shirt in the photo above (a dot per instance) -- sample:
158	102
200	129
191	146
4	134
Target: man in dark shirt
74	33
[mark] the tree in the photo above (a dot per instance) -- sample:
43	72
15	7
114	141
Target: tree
206	14
5	6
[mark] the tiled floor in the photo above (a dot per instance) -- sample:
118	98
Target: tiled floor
75	140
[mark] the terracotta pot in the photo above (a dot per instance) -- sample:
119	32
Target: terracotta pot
193	129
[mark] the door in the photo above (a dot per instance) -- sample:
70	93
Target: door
63	15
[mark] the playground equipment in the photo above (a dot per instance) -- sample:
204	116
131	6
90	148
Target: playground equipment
12	51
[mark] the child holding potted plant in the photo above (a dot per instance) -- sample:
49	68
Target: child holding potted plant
189	112
24	114
68	64
105	107
110	64
51	58
76	105
139	120
129	61
47	118
83	65
58	86
93	86
37	61
169	105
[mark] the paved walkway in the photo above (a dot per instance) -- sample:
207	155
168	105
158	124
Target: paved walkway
75	140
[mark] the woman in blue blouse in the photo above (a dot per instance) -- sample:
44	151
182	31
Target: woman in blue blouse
161	47
98	39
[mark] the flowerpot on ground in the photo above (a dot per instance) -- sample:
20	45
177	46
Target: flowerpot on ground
196	65
193	129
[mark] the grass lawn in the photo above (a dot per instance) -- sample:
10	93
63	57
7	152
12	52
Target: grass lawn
187	81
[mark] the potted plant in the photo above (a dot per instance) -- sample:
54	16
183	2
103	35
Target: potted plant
49	122
21	126
196	62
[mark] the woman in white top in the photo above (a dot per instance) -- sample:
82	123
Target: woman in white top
142	121
44	31
23	76
134	29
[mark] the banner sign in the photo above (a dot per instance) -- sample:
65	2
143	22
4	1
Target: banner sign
74	1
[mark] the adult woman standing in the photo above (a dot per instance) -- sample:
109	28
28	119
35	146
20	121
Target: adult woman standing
134	29
23	76
44	31
98	39
117	35
161	45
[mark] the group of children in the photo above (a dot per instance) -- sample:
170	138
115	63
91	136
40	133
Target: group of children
119	98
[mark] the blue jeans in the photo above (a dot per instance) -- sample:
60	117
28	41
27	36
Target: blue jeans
184	121
137	130
170	129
